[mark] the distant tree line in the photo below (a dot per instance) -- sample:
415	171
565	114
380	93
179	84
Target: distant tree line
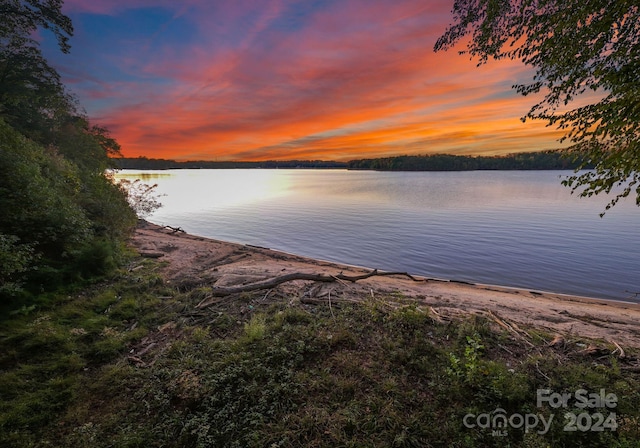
544	160
143	163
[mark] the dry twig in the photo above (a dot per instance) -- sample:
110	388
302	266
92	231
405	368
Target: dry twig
436	315
512	328
618	348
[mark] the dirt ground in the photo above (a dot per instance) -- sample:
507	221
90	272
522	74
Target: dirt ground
193	261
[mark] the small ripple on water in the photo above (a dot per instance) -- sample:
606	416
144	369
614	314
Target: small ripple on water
516	229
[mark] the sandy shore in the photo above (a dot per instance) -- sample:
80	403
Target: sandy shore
193	261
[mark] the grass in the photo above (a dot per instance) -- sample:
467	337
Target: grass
133	363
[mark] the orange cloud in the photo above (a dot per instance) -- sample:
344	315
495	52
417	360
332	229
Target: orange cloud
285	80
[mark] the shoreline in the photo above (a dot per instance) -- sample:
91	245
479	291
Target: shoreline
193	261
485	286
515	289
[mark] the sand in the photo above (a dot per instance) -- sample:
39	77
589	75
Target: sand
192	261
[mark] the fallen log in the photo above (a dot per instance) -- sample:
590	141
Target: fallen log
151	254
273	282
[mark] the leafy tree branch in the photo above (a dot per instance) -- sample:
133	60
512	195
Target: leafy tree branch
581	50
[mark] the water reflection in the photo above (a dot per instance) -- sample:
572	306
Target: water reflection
519	229
142	175
196	190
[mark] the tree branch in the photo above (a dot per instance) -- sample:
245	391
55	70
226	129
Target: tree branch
273	282
175	229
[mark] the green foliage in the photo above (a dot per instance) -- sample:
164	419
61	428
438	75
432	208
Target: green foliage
255	329
15	259
96	259
32	98
107	206
62	218
584	52
47	357
21	18
59	223
468	366
89	147
116	365
38	197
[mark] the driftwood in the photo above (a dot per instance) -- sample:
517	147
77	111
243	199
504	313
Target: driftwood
512	327
175	229
273	282
151	254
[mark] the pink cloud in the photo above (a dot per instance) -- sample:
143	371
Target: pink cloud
110	7
354	79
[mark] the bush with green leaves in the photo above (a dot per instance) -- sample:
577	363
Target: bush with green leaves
58	223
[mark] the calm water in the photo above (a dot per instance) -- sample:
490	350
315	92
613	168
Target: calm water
513	228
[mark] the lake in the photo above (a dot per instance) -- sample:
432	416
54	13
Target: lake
511	228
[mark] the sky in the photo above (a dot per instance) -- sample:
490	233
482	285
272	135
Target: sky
289	79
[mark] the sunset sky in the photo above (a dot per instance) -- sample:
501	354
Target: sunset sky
289	79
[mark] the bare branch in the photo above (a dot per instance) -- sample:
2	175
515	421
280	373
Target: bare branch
273	282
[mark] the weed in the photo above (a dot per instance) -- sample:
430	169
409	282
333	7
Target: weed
467	367
255	328
283	374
